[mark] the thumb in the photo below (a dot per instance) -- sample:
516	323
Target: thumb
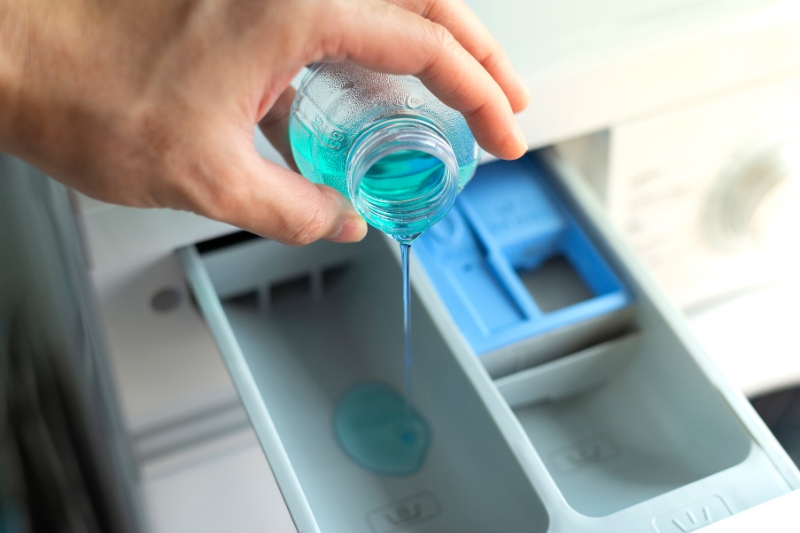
264	198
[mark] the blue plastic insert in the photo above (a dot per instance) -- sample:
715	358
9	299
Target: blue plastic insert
510	220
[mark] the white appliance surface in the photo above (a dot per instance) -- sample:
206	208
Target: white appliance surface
776	516
202	468
593	64
708	196
753	338
221	486
680	185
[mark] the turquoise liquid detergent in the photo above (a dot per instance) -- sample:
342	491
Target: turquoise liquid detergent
380	431
406	176
401	157
393	174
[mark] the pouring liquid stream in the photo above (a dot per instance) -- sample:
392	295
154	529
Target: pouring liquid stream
405	253
376	426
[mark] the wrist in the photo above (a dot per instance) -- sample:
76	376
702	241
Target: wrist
11	56
41	74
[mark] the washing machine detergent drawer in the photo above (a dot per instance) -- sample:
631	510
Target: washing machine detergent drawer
560	390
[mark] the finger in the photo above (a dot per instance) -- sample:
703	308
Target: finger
266	199
470	32
275	126
387	38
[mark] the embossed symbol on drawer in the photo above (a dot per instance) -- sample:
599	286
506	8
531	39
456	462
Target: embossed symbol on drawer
403	512
692	517
585	452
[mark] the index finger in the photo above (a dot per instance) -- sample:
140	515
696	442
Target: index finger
387	38
470	32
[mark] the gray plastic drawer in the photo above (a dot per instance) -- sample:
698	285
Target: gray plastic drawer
638	433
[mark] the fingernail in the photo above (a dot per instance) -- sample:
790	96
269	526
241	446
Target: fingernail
525	91
523	143
353	228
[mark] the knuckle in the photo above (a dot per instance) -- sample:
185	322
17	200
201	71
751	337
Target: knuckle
209	188
156	156
441	37
478	109
329	47
490	59
209	196
333	19
312	229
440	45
429	9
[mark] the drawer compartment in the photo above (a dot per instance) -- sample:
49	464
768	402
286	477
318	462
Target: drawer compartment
298	328
617	425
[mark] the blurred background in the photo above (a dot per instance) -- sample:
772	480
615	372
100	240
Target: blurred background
682	115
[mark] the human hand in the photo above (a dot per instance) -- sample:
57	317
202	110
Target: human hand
152	103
